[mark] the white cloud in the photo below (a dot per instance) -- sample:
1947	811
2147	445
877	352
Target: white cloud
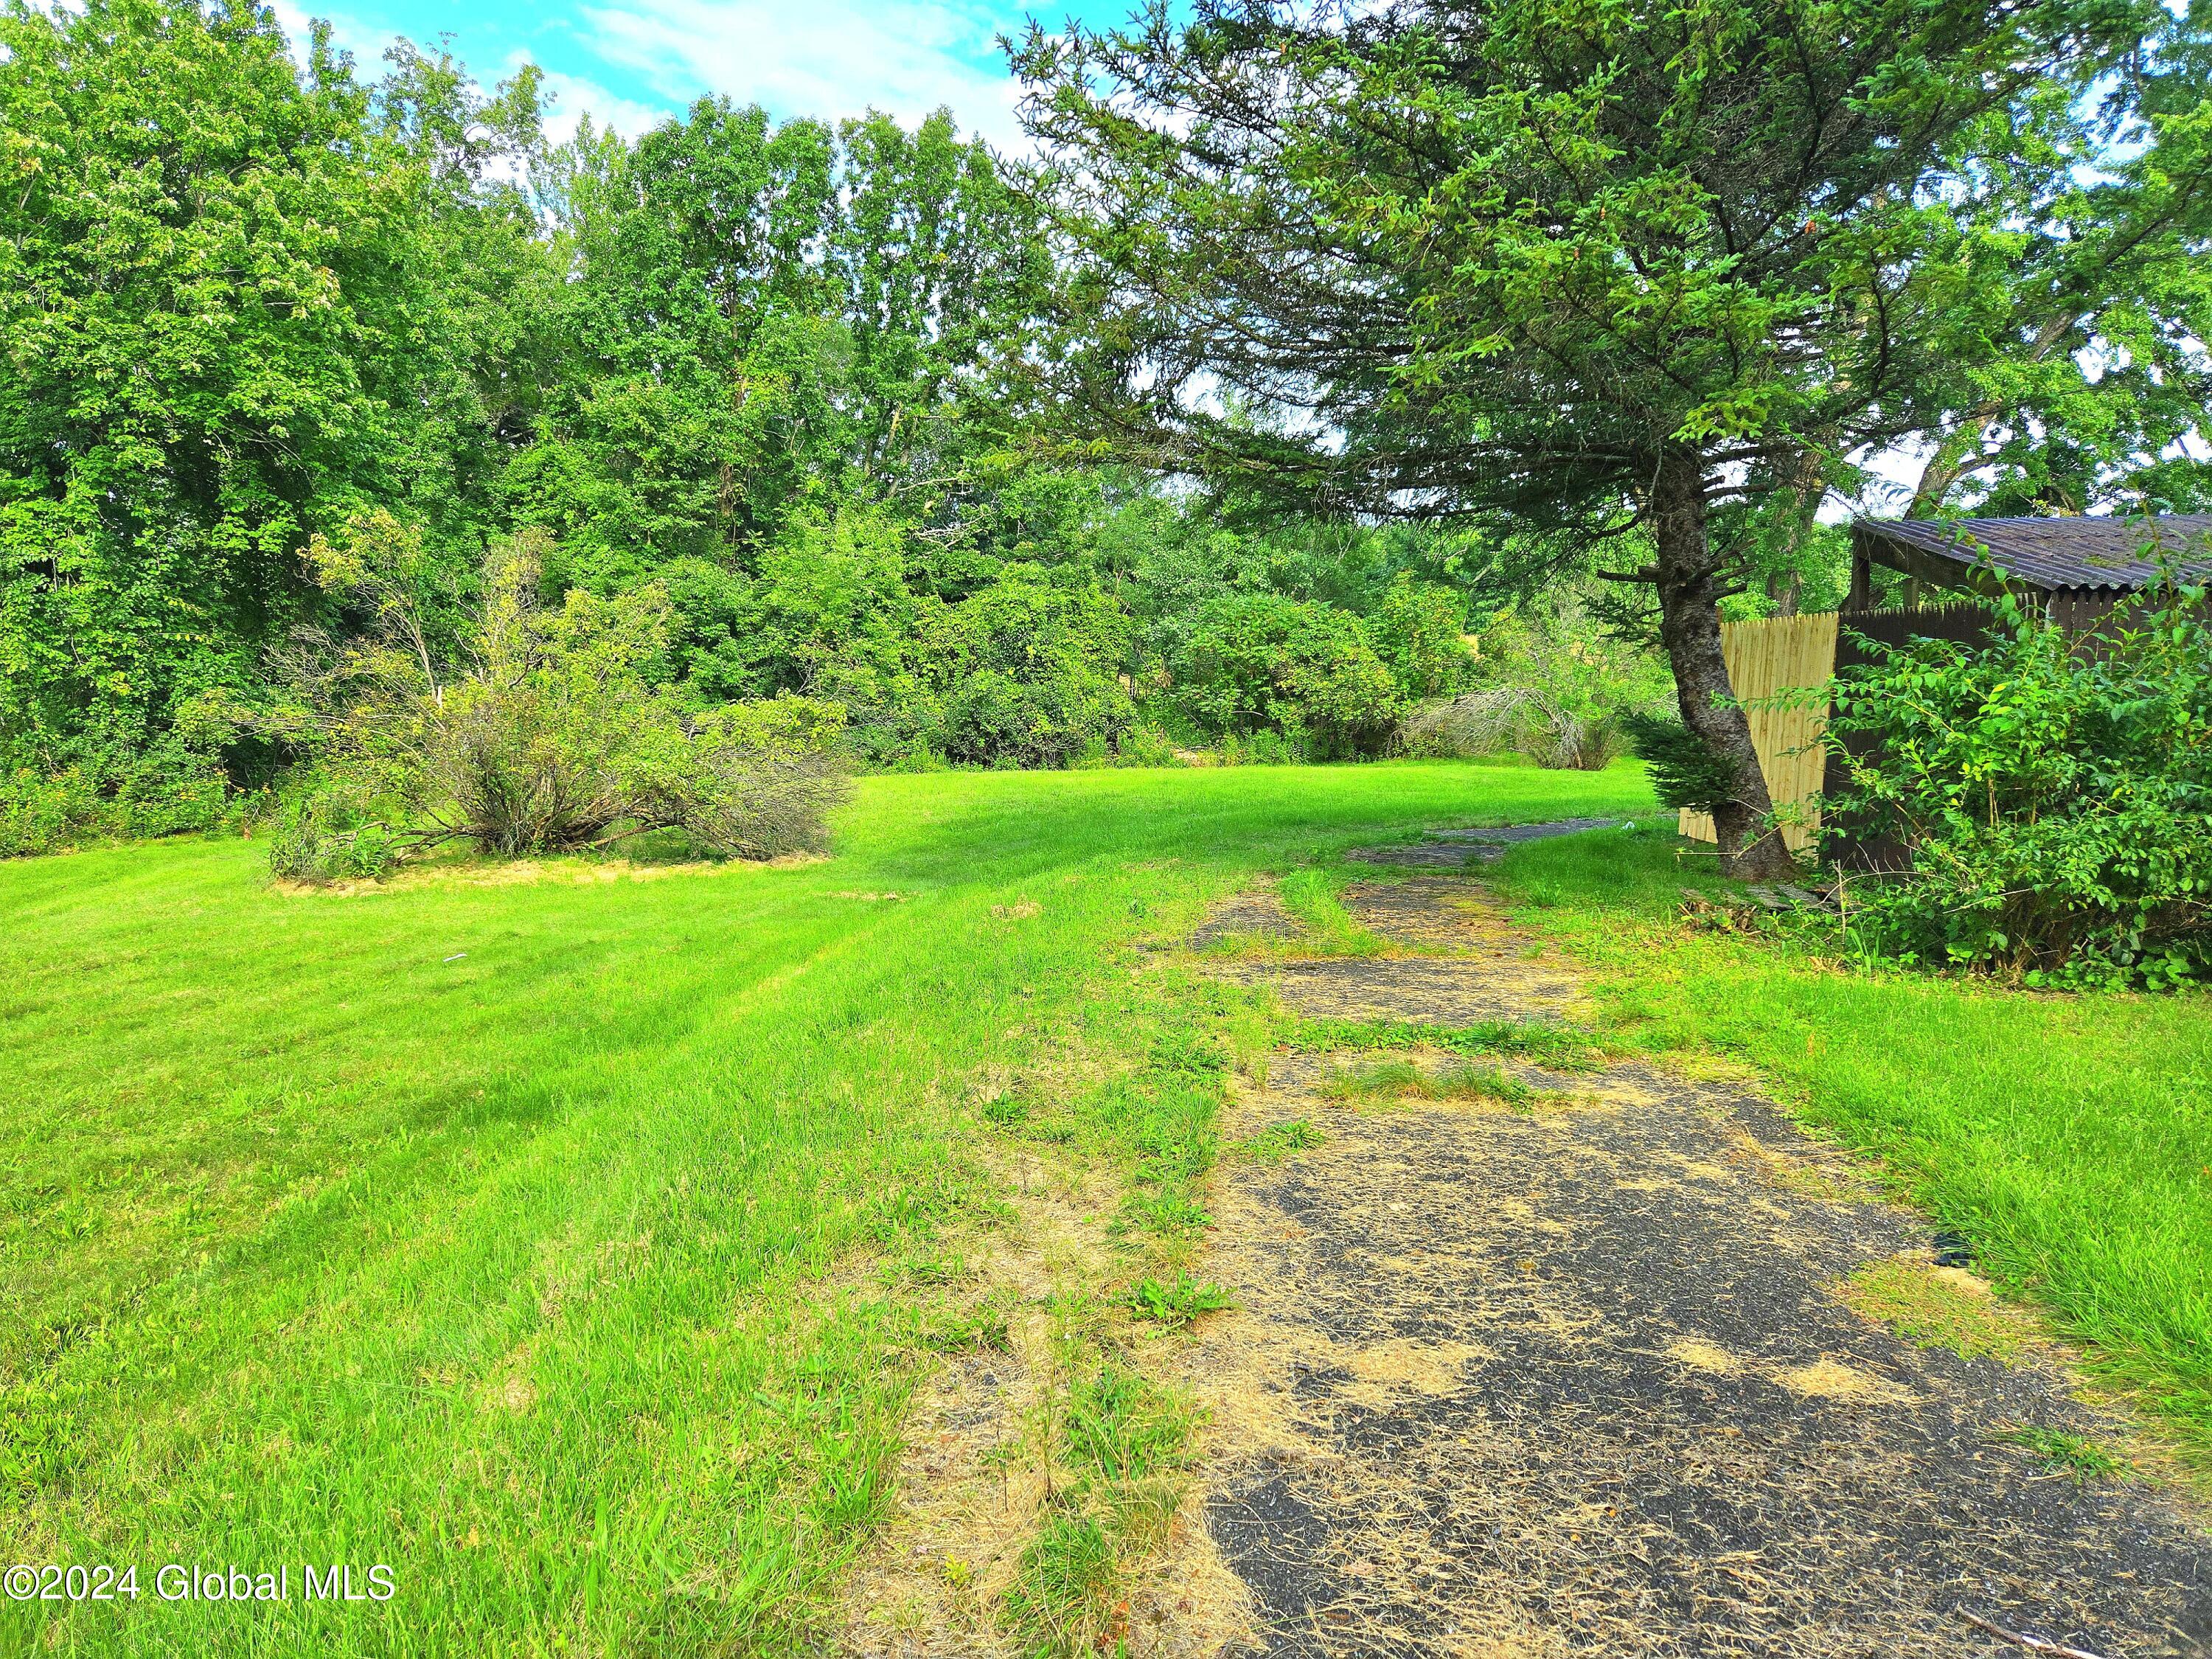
825	57
366	42
573	96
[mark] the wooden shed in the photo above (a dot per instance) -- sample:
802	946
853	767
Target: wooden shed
2081	569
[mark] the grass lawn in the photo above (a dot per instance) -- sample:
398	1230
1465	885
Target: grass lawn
564	1245
483	1231
2069	1138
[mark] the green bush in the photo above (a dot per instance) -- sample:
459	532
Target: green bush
552	730
1024	673
1550	680
328	834
1685	773
1304	674
164	790
2056	797
1419	631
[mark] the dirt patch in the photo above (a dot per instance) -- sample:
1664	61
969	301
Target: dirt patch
1256	913
1587	1382
1411	987
523	872
973	1486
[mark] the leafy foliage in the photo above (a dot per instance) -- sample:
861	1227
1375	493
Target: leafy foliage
1636	269
552	730
238	300
2056	797
1304	672
1553	682
1177	1301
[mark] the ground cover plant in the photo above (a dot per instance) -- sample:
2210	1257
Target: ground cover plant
478	1226
2065	1137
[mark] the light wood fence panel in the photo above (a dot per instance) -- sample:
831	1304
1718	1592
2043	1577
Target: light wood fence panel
1767	660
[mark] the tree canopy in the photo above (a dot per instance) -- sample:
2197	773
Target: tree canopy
1639	271
1312	338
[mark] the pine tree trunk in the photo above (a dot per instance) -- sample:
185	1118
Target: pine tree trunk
1690	628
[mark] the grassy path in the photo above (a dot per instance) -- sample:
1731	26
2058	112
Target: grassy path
561	1244
587	1250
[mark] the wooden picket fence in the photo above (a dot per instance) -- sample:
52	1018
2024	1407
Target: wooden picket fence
1780	668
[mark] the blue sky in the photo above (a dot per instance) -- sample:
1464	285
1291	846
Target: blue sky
631	62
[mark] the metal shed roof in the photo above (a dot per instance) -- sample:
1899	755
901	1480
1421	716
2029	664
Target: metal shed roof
2053	554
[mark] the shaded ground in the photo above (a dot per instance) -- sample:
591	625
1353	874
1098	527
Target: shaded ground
1577	1378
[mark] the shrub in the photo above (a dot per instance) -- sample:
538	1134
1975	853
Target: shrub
1521	719
2056	797
166	790
553	732
1303	673
1024	673
327	835
40	810
1551	683
1419	631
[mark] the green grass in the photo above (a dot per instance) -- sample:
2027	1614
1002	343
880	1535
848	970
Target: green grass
1279	1140
1561	1048
2069	1138
1401	1080
2076	1457
482	1230
1177	1300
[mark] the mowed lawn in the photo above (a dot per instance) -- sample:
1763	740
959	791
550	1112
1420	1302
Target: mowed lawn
482	1232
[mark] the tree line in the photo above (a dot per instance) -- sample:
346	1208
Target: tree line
1300	341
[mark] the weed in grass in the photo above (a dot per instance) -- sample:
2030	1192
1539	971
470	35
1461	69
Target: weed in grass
1279	1140
1007	1111
1191	1053
1312	895
853	1480
1062	1593
1177	1300
924	1270
1124	1427
985	1328
1169	1215
1464	1082
2080	1459
1126	1446
1390	1081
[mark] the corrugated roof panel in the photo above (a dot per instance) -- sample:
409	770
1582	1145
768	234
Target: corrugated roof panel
2069	552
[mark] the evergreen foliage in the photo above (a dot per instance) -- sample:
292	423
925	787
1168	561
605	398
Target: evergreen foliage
1219	430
